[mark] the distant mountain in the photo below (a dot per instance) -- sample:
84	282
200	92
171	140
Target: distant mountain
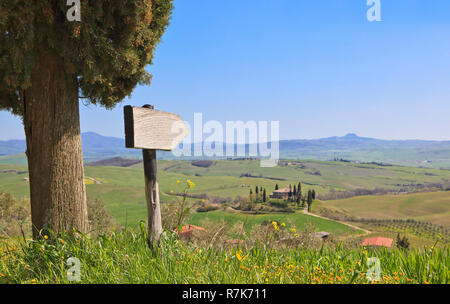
15	146
352	141
348	147
95	146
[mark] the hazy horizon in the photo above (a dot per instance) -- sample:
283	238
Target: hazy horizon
282	139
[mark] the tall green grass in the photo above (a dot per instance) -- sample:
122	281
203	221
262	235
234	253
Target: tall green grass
123	257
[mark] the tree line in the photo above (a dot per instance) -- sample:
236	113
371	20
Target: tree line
295	195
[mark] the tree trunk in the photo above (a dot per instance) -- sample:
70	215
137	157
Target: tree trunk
55	162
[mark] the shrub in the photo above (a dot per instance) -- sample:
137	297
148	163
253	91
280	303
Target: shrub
100	219
278	203
207	208
402	243
14	215
202	163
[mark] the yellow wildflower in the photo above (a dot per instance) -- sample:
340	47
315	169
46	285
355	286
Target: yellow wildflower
275	225
190	183
239	257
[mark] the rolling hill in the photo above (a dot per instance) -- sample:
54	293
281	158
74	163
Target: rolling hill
349	148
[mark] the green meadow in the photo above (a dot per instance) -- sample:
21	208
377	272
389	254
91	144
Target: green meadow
122	190
298	220
431	207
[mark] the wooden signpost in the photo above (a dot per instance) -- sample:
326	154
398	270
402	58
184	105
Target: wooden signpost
151	130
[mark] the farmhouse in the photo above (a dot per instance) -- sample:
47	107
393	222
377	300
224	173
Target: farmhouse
378	241
281	193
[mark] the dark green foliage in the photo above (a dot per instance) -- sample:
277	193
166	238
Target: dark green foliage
309	200
207	208
107	51
264	196
279	203
276	187
402	243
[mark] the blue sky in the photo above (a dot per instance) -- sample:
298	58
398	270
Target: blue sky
318	66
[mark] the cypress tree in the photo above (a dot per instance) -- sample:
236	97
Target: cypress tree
309	200
46	59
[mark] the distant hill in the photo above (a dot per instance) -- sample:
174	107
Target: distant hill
114	162
350	147
15	146
355	148
95	147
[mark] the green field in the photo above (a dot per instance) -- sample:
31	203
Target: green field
433	207
122	189
298	220
17	159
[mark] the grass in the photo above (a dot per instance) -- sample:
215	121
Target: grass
123	257
17	159
298	220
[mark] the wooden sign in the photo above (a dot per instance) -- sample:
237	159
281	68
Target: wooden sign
151	130
147	128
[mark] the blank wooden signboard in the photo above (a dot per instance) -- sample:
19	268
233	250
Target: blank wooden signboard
151	129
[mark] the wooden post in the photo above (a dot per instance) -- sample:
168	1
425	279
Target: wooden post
151	130
152	194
